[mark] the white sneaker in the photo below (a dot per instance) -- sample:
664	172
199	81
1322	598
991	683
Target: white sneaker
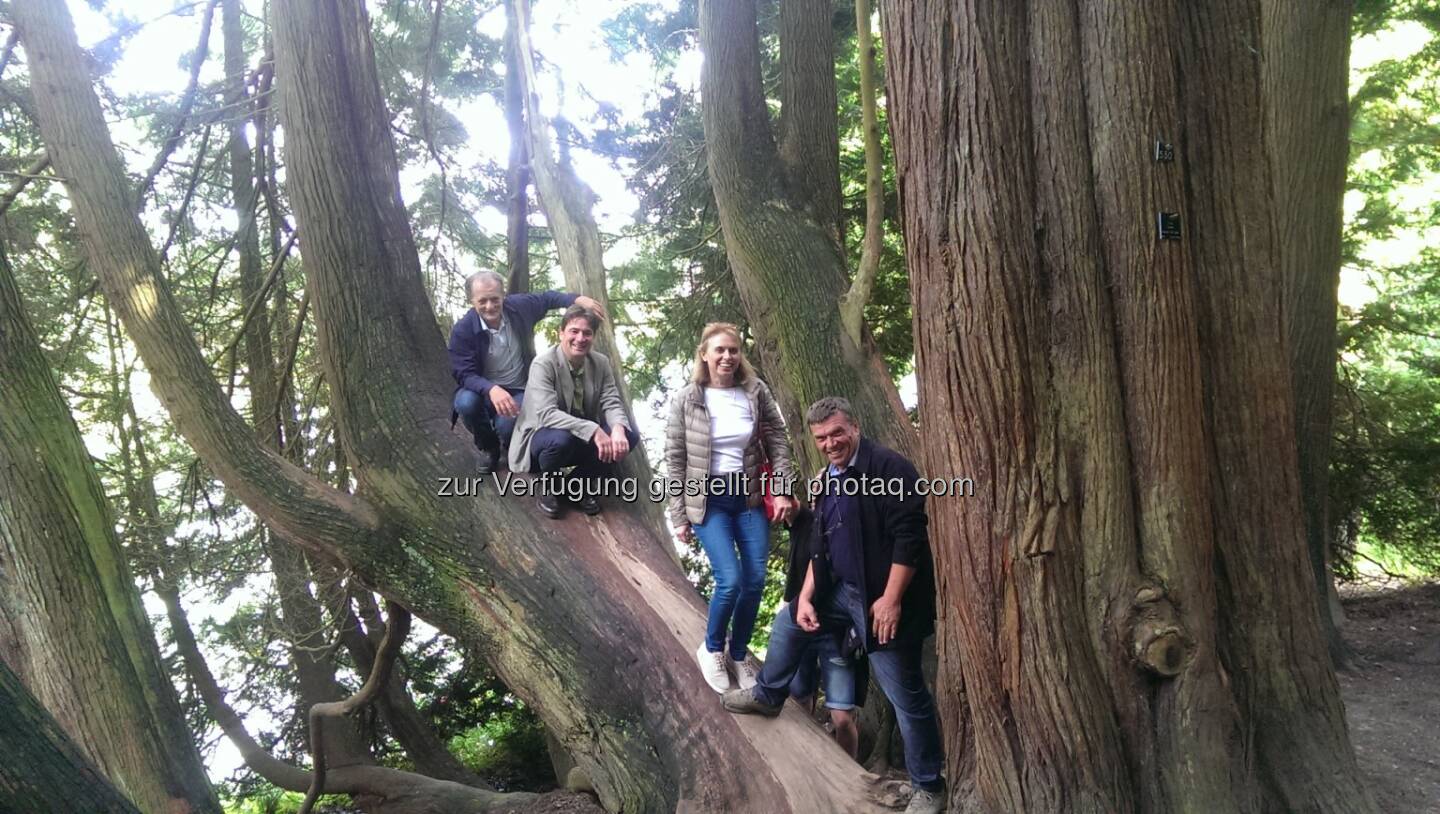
712	667
746	673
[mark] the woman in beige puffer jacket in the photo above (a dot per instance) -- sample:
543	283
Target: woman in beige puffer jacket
723	427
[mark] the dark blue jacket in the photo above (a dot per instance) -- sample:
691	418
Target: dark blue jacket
892	530
470	343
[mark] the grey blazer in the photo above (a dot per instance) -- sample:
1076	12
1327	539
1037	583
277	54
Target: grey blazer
549	390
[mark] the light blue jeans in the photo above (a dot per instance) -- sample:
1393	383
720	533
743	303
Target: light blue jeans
736	539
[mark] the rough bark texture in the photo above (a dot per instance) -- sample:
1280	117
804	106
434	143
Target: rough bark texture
808	135
573	614
1127	597
787	263
517	170
43	771
71	623
1306	81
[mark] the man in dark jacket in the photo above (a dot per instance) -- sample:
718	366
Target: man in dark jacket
491	348
867	578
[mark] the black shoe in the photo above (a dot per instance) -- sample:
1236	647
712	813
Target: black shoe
489	460
550	504
589	505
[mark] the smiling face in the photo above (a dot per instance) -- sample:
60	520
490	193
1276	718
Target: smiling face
576	337
722	357
487	298
837	438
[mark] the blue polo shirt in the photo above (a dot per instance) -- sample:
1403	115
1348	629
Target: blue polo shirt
841	515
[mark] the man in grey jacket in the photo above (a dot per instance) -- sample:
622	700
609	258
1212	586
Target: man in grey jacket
572	416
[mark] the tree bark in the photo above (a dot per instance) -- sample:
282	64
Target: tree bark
574	615
808	132
71	623
517	171
788	265
1306	81
43	769
1127	598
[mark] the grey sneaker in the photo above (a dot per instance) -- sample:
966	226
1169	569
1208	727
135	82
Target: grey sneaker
745	703
746	673
926	802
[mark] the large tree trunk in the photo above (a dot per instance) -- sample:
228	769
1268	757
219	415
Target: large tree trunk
1306	74
71	623
43	771
1128	599
589	621
780	217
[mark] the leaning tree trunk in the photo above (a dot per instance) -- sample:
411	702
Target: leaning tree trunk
778	209
71	623
43	769
1306	75
574	615
1128	599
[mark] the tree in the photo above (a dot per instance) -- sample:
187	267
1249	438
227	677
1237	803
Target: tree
1306	94
1128	599
43	770
779	206
561	609
71	623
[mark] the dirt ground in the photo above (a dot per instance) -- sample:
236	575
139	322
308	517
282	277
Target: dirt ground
1392	693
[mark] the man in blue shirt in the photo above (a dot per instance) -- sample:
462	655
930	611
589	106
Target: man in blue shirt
866	579
491	348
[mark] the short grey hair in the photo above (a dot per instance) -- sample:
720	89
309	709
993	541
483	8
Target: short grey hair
493	276
822	410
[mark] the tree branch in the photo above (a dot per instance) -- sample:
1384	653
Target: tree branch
31	173
186	103
852	305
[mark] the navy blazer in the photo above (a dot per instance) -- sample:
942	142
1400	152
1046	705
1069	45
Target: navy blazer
892	530
470	343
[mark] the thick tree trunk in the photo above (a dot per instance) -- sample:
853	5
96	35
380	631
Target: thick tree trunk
43	771
808	134
787	263
71	623
589	620
1306	75
1128	598
517	170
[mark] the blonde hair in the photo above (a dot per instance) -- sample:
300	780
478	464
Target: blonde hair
702	370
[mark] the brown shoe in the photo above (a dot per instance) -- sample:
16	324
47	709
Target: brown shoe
744	702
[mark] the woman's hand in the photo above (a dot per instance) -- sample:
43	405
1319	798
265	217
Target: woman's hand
683	533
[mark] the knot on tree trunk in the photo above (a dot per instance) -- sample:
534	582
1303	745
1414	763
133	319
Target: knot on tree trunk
1158	642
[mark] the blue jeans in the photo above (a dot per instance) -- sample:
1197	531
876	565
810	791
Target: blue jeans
896	669
489	428
739	580
823	667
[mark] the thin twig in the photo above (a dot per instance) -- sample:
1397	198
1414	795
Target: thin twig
186	103
260	295
31	173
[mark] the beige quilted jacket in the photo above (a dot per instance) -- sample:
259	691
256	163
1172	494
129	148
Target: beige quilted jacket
687	447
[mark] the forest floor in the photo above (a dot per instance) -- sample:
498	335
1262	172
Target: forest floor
1392	692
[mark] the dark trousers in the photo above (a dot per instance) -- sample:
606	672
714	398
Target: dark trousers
896	669
489	428
552	449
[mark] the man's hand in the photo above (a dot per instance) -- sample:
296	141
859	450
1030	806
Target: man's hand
504	404
785	508
885	616
604	446
805	615
590	303
619	444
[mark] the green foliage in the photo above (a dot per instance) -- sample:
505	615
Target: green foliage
1385	473
508	750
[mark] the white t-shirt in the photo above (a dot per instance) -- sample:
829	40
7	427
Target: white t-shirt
731	425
